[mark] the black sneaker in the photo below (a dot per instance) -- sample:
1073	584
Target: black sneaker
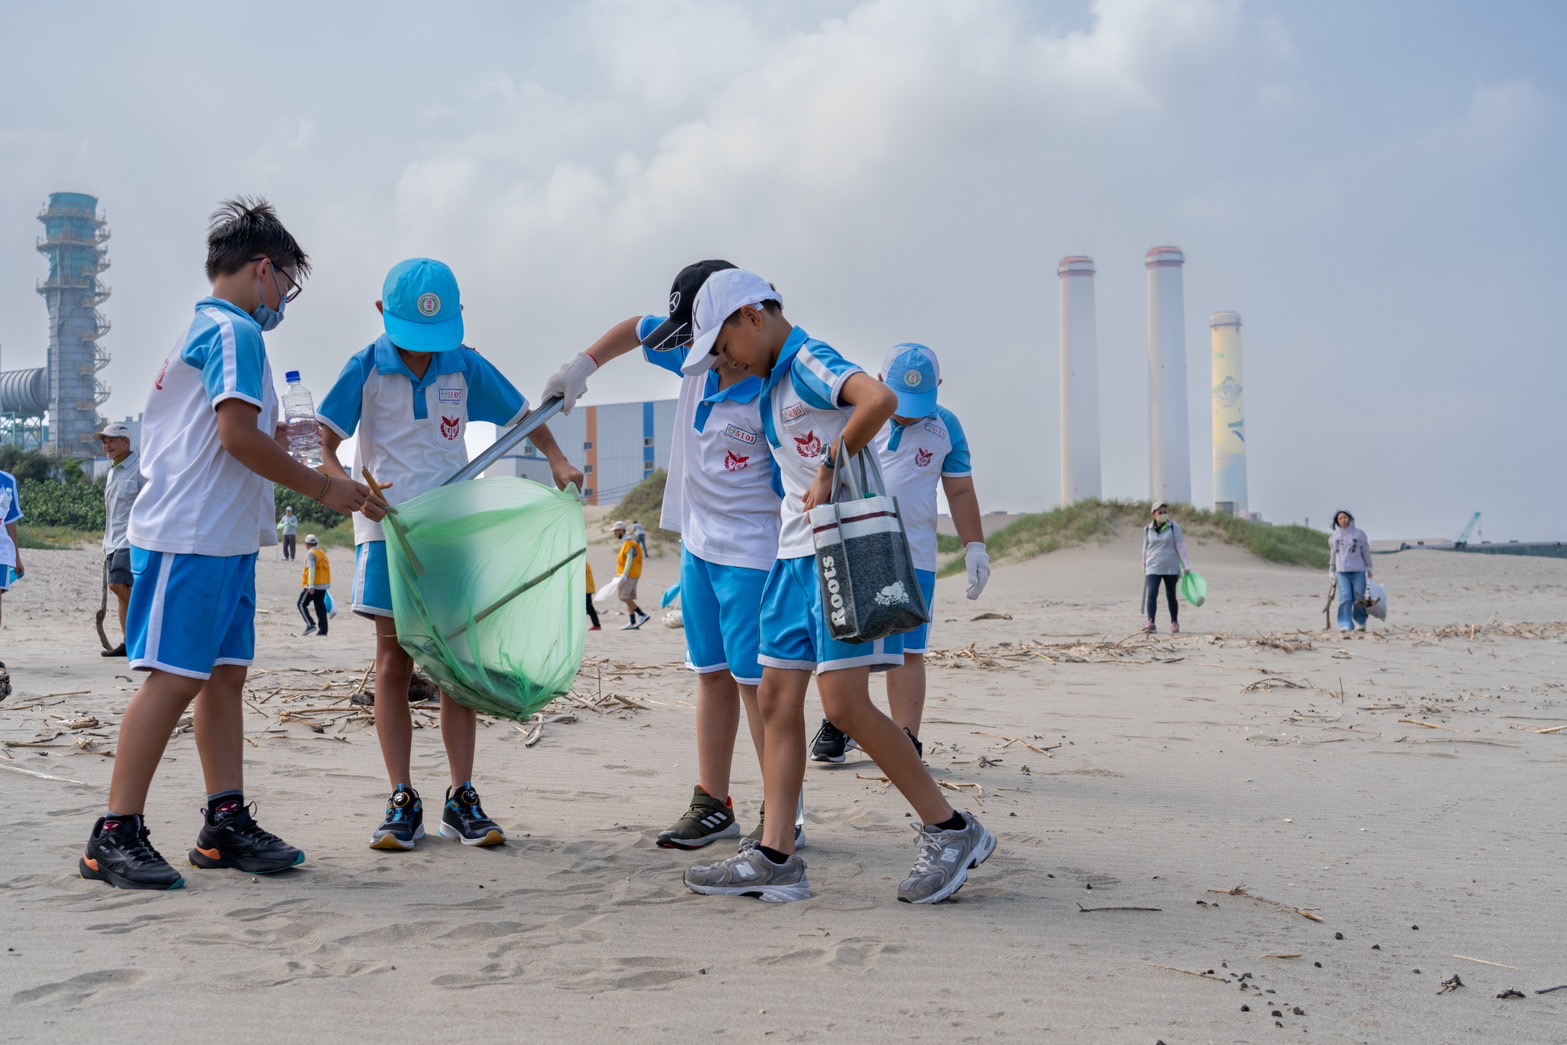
118	651
310	629
404	823
919	749
463	819
232	838
829	744
119	853
754	839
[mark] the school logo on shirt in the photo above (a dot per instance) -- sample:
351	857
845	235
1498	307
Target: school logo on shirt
451	395
736	432
734	462
922	458
936	430
793	413
450	426
808	446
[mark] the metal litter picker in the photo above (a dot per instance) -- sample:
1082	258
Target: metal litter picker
487	584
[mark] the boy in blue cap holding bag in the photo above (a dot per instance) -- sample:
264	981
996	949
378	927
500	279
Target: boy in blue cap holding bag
410	396
922	442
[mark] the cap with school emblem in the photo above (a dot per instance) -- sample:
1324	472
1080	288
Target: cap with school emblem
421	306
913	372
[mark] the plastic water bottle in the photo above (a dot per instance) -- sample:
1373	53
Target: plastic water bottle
299	417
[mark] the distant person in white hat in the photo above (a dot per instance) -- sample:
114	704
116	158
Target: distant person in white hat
1164	561
288	529
314	584
119	493
628	567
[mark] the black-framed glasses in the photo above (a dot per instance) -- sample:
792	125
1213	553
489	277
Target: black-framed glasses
294	289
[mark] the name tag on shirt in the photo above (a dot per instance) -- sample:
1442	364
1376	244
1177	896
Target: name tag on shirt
791	414
451	395
736	432
934	429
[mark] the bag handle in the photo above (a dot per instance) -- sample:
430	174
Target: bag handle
860	477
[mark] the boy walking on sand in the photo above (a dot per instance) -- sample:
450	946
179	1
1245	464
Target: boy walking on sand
315	583
410	396
628	567
211	449
722	498
922	442
818	409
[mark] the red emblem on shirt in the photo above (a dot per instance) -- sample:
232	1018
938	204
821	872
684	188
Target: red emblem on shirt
450	426
922	458
158	384
734	462
808	446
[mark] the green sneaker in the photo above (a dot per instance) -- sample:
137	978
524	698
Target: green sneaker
708	820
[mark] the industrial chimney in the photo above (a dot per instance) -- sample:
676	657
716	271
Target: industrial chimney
1169	444
1229	415
1079	381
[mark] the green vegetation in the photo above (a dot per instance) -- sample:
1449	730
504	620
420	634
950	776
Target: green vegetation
645	501
313	515
50	502
1035	535
54	537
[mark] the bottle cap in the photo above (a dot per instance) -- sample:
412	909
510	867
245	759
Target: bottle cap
291	376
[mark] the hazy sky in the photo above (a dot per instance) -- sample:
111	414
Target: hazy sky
1374	186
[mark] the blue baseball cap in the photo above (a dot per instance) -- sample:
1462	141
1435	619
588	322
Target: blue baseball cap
421	306
913	372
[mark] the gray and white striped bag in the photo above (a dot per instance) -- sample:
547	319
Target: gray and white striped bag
869	587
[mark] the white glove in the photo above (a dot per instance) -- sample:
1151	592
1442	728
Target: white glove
570	381
978	560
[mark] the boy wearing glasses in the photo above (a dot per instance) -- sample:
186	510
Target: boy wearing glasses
211	450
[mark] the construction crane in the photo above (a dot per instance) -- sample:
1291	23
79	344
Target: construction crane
1463	538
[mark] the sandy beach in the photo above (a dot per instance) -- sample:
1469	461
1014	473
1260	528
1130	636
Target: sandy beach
1253	832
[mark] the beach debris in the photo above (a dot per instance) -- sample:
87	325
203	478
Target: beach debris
1549	990
992	616
1451	984
1240	890
1512	992
1482	961
1089	910
1265	684
1189	972
1283	955
1016	740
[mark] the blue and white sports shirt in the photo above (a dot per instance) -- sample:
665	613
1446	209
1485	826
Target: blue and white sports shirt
912	457
411	429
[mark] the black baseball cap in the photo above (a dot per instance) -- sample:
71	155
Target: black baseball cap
676	330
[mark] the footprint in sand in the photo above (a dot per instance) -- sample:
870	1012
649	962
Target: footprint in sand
852	954
78	989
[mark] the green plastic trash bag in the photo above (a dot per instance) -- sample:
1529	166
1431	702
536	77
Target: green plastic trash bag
1193	588
487	591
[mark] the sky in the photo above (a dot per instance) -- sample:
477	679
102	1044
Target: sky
1374	187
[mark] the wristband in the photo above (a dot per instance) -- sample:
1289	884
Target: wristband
324	488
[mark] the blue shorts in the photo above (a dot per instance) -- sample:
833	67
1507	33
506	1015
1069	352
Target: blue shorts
720	605
918	640
372	582
190	613
794	628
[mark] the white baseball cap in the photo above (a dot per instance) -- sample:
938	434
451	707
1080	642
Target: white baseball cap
310	538
723	294
115	430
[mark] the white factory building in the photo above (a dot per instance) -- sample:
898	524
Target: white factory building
616	445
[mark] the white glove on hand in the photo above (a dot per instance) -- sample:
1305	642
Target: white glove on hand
570	381
978	560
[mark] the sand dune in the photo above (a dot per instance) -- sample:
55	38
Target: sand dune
1379	784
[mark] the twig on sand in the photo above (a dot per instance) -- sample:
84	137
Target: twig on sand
1240	890
1548	990
1014	740
1189	972
364	679
979	792
1282	956
1089	910
1268	683
1482	961
1428	725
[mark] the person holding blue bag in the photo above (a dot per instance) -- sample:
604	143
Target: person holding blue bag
1350	567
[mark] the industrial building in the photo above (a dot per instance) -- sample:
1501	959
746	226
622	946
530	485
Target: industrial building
66	388
616	445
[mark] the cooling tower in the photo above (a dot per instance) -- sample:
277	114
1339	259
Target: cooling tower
1169	453
1079	381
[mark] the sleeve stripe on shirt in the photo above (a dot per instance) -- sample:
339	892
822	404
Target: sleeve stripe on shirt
228	344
